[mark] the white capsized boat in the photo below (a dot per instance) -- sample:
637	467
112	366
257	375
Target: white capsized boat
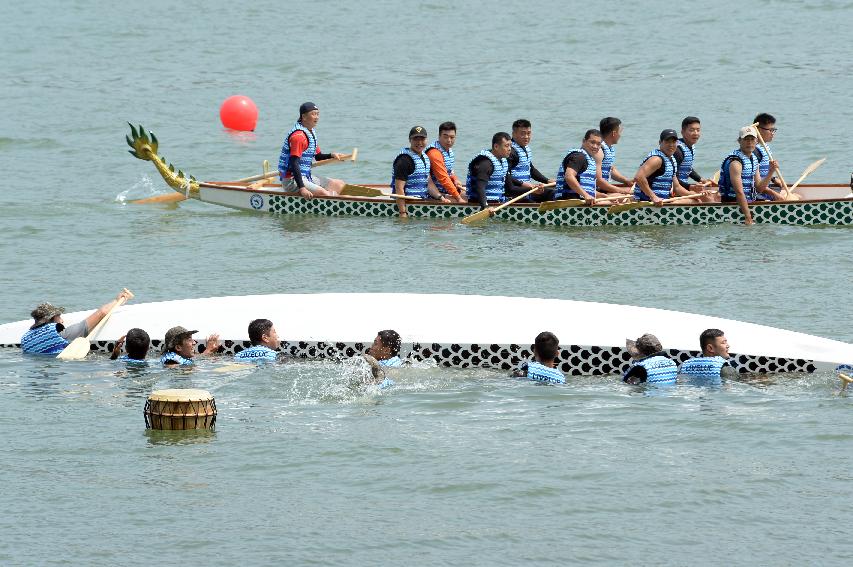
462	330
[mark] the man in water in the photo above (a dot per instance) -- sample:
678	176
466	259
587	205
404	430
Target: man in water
136	342
441	162
650	364
713	365
299	151
179	347
740	178
543	367
521	166
49	335
384	353
265	343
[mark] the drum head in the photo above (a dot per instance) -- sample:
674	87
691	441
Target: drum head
178	395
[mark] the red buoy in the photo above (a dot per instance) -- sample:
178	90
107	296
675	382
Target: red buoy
238	112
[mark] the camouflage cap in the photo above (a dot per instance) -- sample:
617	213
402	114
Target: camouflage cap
45	312
644	346
174	336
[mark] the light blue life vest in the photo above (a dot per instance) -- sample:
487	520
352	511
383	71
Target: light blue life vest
305	160
132	361
416	183
540	373
586	178
177	358
747	175
393	362
44	339
607	161
704	368
449	162
660	369
660	185
495	186
525	158
763	160
686	165
256	353
386	383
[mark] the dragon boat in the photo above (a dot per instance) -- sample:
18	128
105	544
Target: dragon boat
826	204
463	331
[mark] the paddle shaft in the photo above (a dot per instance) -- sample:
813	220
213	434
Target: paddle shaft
808	171
270	174
103	321
770	156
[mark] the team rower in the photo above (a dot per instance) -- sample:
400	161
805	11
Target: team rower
740	178
299	151
488	173
543	367
714	364
691	131
265	343
136	343
179	347
441	162
650	364
521	165
656	179
611	132
767	128
577	173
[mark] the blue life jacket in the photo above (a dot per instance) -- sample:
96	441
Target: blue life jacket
305	160
659	369
256	353
704	368
416	183
449	162
540	373
386	383
44	339
607	161
747	175
586	178
661	185
525	158
686	165
763	160
393	362
495	186
132	361
177	358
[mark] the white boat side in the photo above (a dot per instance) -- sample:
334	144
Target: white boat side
452	323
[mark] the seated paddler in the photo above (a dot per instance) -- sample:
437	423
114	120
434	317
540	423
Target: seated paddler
656	179
49	335
524	173
649	364
136	343
265	343
299	151
179	347
611	132
489	178
576	176
767	128
410	174
713	365
442	159
543	367
740	178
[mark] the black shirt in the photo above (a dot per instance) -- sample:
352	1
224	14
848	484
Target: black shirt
481	170
535	174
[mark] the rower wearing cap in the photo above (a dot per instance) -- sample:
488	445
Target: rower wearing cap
179	347
521	166
691	131
265	343
489	179
767	128
410	172
299	151
49	335
611	132
740	178
656	179
441	162
578	171
713	365
650	364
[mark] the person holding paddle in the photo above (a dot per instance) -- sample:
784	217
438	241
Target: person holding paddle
49	335
740	178
410	174
691	131
576	177
299	151
488	173
611	132
521	165
767	126
441	162
656	179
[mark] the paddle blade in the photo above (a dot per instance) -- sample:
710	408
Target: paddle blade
716	177
166	198
616	209
359	191
476	217
565	203
77	350
354	154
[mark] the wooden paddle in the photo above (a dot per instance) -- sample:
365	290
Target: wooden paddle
80	347
350	190
808	171
770	155
486	213
270	174
165	198
715	179
845	380
616	209
566	203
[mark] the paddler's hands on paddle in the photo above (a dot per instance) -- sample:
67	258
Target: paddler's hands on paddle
657	201
339	157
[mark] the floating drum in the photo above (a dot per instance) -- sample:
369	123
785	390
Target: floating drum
180	409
